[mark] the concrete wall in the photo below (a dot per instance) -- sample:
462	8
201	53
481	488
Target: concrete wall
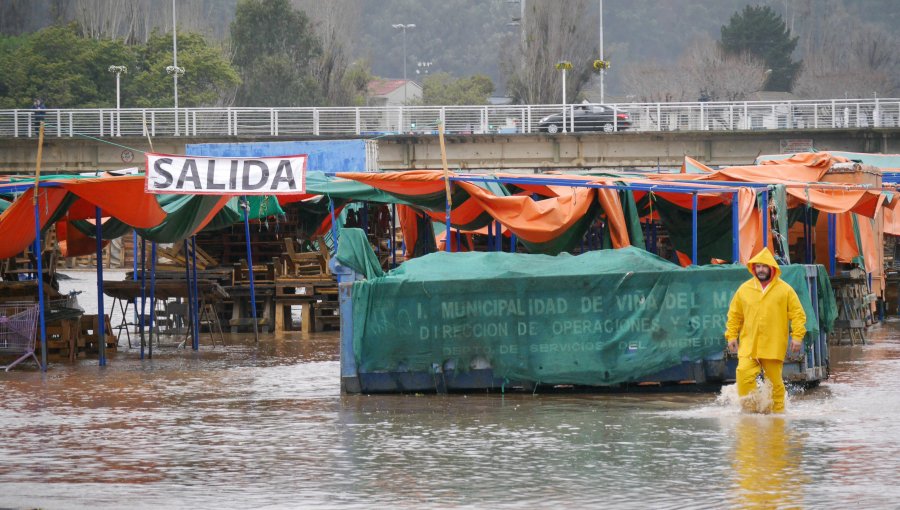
473	152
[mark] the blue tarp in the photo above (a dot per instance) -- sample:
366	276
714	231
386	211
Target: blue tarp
327	156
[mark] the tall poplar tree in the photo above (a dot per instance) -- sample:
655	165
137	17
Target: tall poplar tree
275	50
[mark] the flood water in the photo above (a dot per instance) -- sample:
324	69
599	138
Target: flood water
265	426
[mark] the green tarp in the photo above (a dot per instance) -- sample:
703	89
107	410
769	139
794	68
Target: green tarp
354	252
184	214
601	318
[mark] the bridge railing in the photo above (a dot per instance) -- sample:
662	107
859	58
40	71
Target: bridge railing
508	119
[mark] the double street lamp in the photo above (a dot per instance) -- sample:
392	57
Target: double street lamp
404	28
118	70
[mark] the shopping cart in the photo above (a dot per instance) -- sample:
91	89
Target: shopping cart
18	325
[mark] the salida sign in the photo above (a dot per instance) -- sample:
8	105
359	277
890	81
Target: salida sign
167	173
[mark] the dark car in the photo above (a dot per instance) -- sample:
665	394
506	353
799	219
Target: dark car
588	117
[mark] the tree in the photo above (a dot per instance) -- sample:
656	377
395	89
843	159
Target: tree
275	50
443	89
653	82
356	81
716	75
849	58
69	70
333	23
761	32
552	34
208	79
62	67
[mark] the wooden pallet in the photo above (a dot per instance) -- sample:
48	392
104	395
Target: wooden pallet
854	310
88	340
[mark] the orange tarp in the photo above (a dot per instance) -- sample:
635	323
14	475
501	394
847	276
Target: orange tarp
123	198
120	197
532	221
72	242
892	217
17	222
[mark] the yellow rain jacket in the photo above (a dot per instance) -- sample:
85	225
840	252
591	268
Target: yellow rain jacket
758	318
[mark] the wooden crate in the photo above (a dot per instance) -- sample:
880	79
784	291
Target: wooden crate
88	340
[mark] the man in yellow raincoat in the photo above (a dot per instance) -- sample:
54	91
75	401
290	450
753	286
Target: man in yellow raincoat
757	326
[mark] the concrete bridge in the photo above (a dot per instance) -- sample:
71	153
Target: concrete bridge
478	137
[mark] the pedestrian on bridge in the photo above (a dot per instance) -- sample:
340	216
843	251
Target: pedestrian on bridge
757	327
39	111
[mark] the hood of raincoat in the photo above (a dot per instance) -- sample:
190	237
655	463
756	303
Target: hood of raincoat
765	257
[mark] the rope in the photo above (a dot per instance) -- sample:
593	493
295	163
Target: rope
89	137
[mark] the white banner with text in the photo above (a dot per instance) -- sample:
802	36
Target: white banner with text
170	174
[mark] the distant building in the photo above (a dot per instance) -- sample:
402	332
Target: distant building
393	92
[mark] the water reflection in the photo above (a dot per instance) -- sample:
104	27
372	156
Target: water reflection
250	425
767	459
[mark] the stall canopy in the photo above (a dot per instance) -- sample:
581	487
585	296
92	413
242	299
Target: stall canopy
77	198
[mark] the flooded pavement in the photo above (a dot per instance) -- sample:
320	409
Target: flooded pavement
250	426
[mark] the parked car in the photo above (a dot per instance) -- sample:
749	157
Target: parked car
588	117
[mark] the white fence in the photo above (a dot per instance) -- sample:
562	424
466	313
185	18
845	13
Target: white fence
378	121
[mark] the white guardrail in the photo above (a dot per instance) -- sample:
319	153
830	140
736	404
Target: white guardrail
509	119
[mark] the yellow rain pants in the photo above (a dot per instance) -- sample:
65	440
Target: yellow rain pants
748	369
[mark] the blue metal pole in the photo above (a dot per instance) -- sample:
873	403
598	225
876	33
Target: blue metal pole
832	242
393	235
250	262
152	295
513	240
447	226
143	291
190	288
735	229
134	264
765	217
694	228
334	234
364	217
134	270
101	323
807	235
492	239
40	282
196	294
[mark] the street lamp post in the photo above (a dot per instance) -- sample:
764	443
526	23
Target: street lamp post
119	70
404	28
564	65
603	70
173	69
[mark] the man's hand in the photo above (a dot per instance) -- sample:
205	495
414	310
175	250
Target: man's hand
732	346
796	346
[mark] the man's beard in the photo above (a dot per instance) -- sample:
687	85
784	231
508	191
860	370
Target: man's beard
764	278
